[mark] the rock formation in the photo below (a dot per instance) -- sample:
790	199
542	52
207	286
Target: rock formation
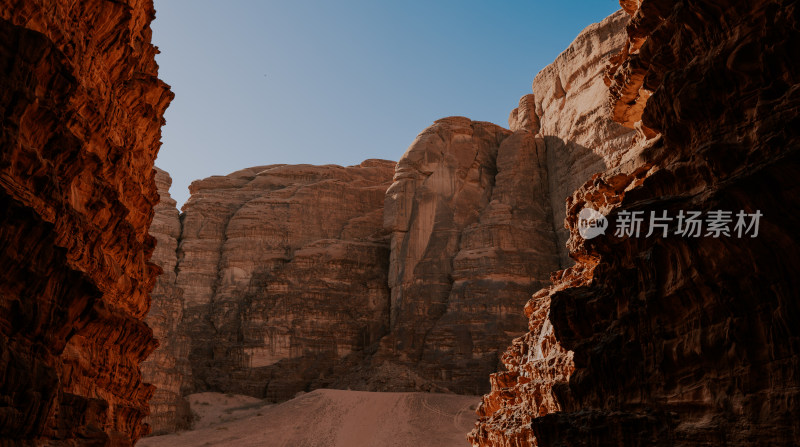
573	119
679	340
472	238
167	368
570	100
283	272
81	115
465	236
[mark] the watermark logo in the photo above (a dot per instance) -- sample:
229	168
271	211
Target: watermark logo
591	223
692	224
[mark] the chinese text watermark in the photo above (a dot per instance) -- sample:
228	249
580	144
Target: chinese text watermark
716	223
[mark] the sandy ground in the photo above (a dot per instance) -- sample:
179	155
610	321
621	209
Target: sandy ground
327	418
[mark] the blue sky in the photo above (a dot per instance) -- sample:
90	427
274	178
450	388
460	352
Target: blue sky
313	81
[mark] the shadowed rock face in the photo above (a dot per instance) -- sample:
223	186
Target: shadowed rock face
283	273
81	111
167	367
682	341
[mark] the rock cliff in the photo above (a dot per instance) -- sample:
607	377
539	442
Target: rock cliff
472	238
81	110
283	273
444	259
678	340
569	110
570	101
168	367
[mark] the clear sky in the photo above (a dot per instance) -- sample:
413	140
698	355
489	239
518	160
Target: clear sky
320	81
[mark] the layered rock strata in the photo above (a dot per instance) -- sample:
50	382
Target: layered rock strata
465	235
684	340
81	110
283	273
472	238
168	367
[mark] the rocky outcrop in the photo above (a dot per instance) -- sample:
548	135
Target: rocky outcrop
283	272
569	112
684	340
570	100
472	238
81	115
168	367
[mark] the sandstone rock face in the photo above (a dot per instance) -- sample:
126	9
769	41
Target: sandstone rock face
168	366
569	110
570	100
465	236
81	115
472	238
283	272
678	340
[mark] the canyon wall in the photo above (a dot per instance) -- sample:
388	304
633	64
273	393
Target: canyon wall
168	367
421	283
472	238
570	103
283	273
677	340
81	109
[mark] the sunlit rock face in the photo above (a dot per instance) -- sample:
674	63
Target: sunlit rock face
472	238
570	101
678	340
81	116
449	244
569	111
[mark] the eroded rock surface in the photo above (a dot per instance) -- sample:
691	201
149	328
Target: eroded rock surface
283	272
570	100
680	340
472	238
81	110
167	368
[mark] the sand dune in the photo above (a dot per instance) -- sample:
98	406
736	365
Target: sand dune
327	418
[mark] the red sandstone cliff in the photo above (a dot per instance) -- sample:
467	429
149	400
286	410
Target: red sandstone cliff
81	110
678	341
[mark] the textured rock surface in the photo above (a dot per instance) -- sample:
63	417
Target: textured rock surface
569	110
81	110
472	238
468	226
571	102
687	341
168	366
283	272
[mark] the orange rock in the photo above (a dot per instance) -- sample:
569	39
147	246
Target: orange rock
677	340
82	111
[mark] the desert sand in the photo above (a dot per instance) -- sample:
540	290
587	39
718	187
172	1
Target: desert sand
327	418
